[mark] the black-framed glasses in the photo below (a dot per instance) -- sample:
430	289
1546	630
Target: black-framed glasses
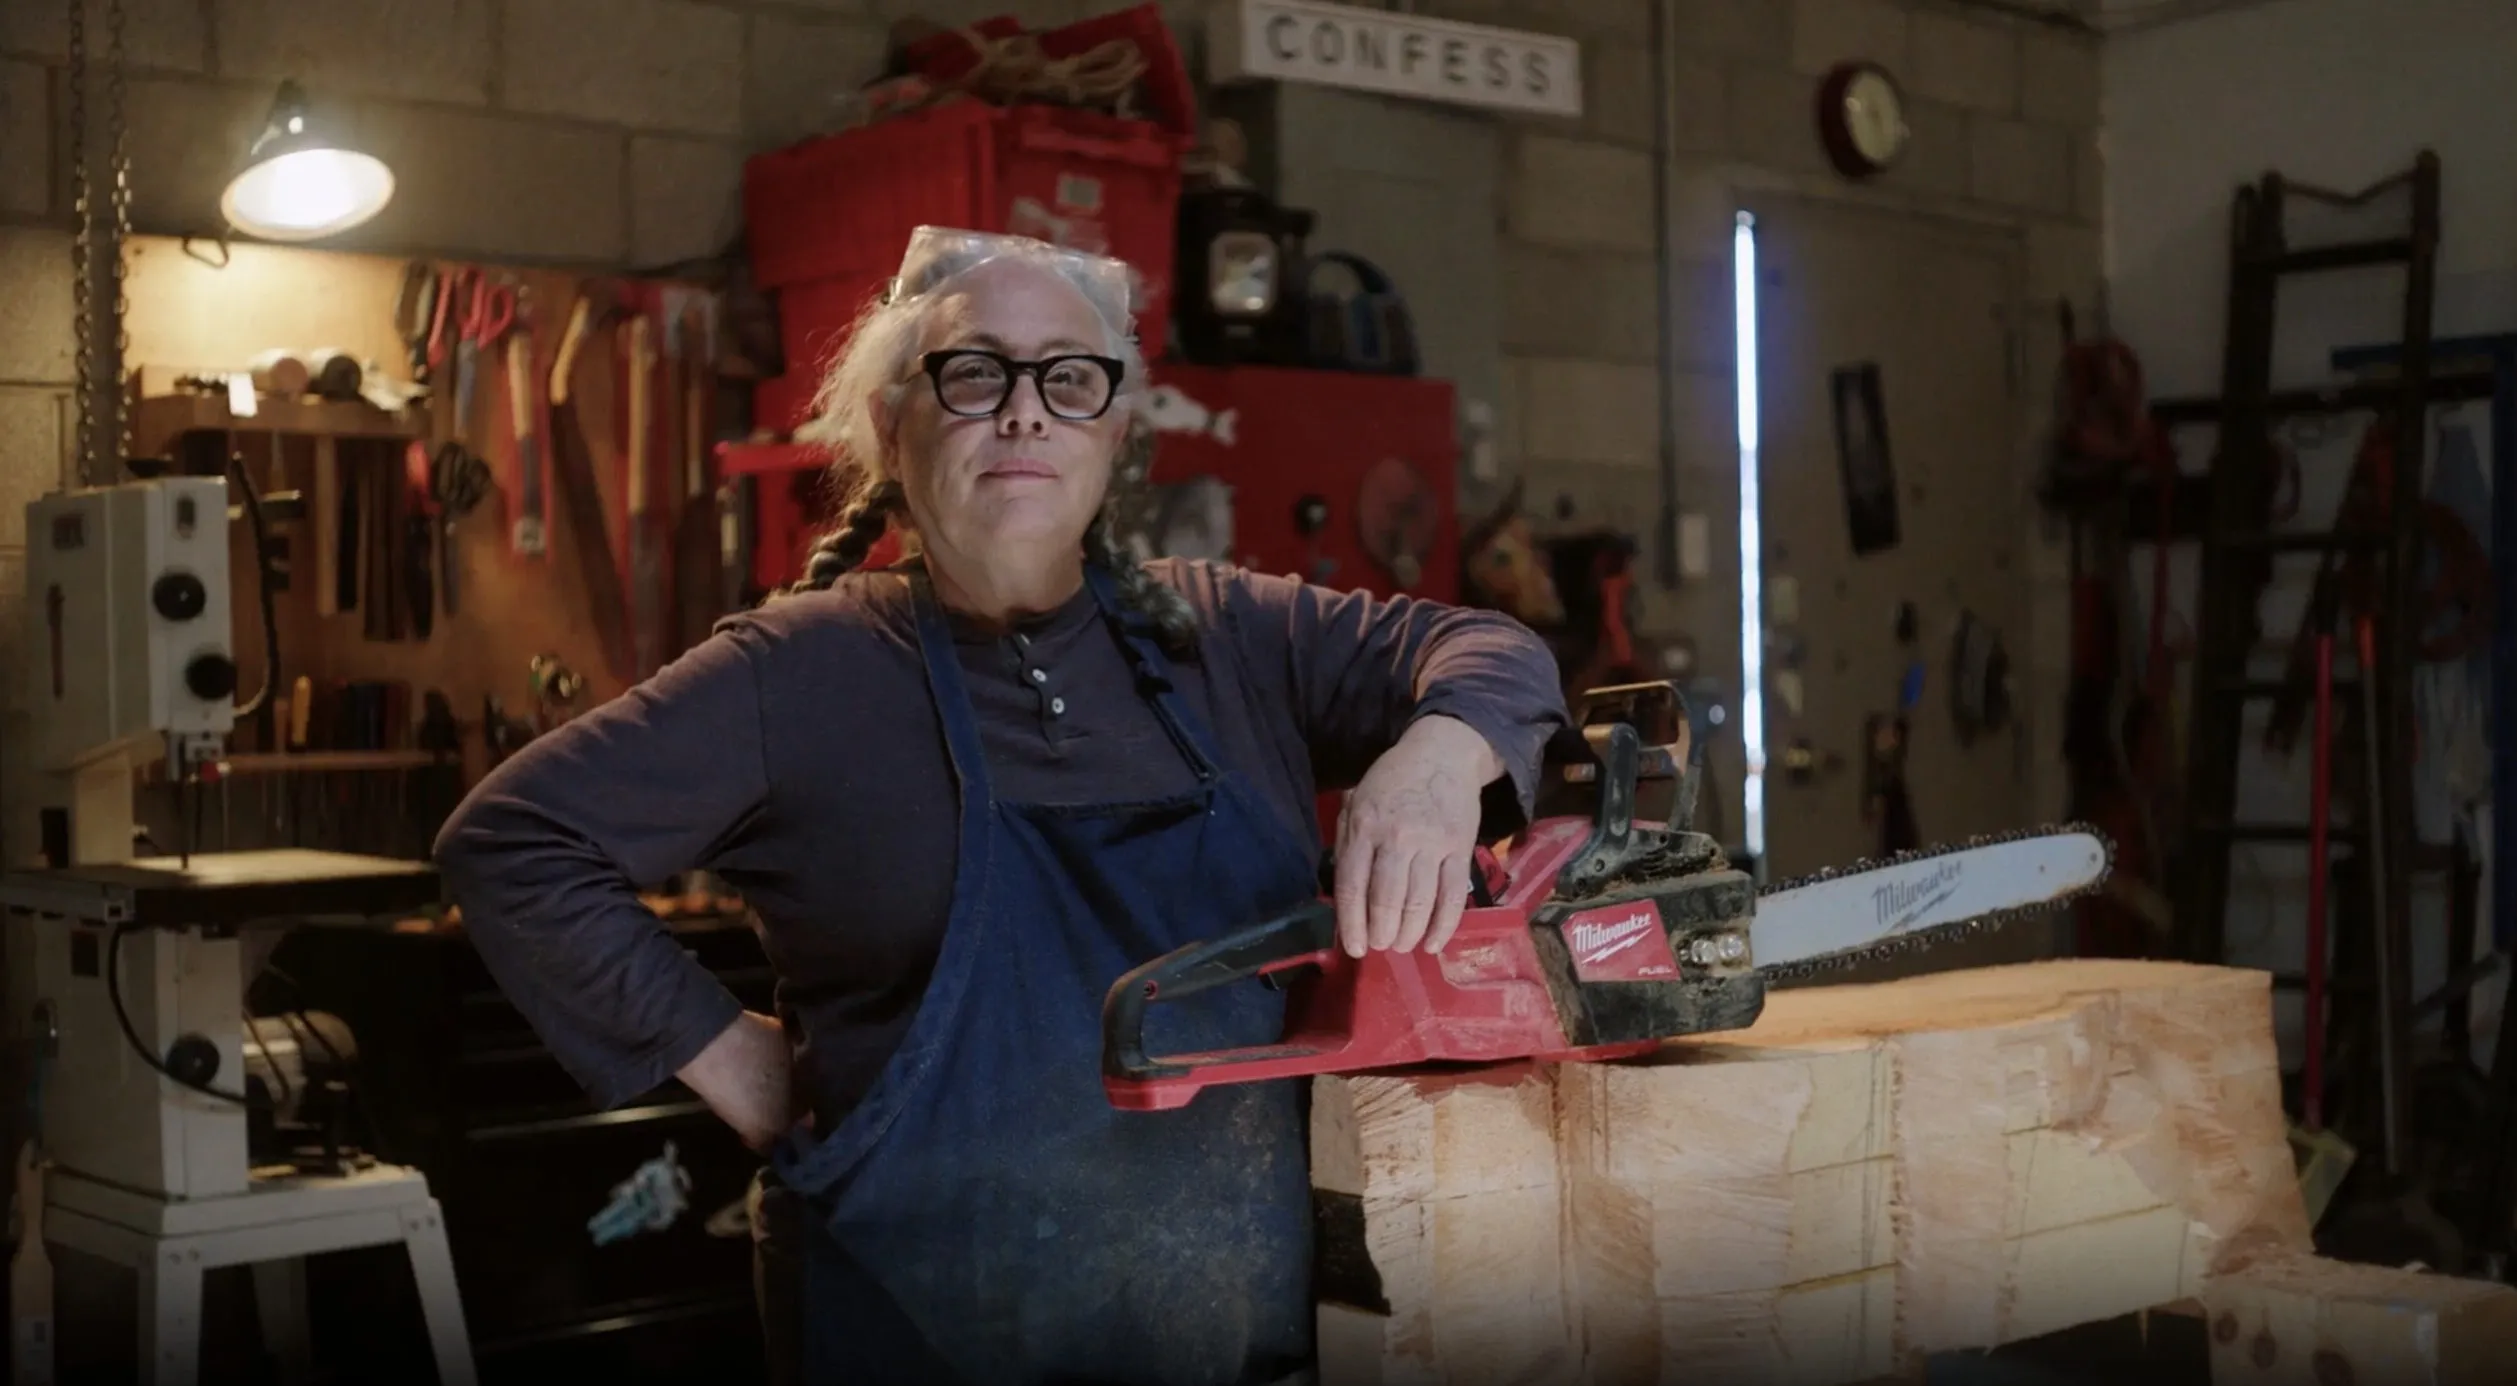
975	384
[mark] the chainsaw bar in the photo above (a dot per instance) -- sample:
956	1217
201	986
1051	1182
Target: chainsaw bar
1917	940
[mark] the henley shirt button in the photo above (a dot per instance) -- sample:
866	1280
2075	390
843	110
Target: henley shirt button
1057	707
1039	676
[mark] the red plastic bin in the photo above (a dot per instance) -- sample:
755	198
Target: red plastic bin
814	318
836	211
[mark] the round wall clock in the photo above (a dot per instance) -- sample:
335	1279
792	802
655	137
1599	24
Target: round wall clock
1861	119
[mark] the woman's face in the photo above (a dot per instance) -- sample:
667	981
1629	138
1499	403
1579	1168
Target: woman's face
1021	477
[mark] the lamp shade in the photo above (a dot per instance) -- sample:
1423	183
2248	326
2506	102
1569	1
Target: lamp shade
299	183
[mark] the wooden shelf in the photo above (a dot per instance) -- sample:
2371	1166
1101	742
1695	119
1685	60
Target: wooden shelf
312	763
327	762
156	422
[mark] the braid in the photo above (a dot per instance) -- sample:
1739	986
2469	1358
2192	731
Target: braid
1174	620
860	525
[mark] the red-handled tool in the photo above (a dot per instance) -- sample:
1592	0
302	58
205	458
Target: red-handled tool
646	563
1575	956
1607	935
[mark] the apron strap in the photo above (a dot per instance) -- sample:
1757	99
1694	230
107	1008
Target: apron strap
1153	676
944	683
1152	670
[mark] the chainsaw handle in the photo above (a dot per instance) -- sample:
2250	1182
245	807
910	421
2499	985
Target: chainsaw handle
1303	935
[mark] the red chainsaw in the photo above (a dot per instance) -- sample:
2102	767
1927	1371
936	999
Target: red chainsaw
1593	935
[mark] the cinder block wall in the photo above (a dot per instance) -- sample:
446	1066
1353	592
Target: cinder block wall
2005	109
607	133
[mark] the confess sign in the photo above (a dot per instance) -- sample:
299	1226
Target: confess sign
1397	55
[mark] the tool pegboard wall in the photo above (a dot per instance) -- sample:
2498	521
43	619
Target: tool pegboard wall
537	623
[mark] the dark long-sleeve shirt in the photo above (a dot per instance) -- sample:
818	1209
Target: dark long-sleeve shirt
798	754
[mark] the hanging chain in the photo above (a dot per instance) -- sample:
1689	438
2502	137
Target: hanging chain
115	249
93	235
82	239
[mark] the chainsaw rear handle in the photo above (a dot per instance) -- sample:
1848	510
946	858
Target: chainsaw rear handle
1304	935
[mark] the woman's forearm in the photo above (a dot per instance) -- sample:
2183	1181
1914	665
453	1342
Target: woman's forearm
744	1075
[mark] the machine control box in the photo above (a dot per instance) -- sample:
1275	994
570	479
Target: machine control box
127	618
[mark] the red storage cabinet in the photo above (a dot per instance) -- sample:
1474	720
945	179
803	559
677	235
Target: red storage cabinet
1280	437
827	219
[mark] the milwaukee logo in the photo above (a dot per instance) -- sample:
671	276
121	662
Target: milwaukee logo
1901	903
1592	942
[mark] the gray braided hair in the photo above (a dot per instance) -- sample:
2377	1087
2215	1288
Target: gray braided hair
876	361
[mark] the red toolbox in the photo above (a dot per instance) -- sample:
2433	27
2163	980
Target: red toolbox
827	219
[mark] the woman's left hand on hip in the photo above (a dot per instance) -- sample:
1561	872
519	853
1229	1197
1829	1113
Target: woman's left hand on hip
1406	835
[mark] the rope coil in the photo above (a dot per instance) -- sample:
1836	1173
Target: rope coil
1016	69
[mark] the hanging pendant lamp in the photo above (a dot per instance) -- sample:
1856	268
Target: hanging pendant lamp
300	182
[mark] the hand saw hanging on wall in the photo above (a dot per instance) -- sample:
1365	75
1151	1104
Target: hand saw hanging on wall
1601	937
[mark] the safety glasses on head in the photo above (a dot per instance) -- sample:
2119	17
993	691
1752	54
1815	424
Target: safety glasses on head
938	253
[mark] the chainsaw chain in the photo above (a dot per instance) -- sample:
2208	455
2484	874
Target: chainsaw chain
1934	937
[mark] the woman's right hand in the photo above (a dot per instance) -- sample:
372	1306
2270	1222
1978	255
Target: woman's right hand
744	1075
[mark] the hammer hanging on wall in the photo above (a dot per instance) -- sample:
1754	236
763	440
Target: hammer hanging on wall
589	526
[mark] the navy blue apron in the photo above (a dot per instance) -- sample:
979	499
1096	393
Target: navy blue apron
984	1216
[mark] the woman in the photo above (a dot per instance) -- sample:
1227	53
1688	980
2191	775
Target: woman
963	796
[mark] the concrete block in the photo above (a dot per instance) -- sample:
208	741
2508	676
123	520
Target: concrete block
26	138
1618	102
35	335
1583	495
649	64
1704	211
2063	262
1590	411
185	137
2058	79
1617	21
163	35
1578	193
1774	120
431	50
1703	98
2020	165
1937	158
1572	303
685	198
2088	178
487	185
1464	11
1034	14
796	72
1965	62
1707	410
1827	32
1707	326
1754	30
32	419
1605	307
